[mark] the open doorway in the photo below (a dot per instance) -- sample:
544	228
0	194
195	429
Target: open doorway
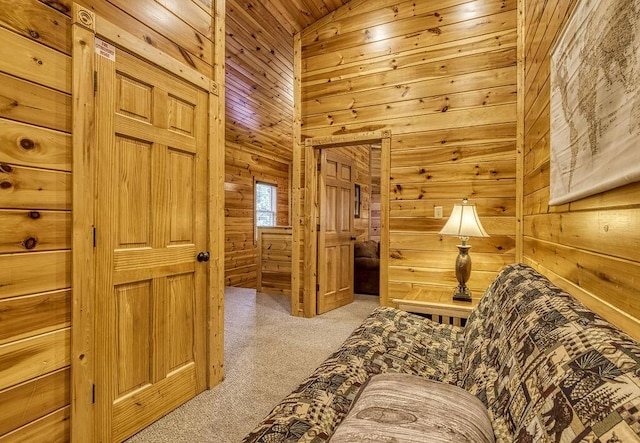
311	255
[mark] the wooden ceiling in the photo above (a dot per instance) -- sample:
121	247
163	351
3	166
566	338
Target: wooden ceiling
295	15
259	71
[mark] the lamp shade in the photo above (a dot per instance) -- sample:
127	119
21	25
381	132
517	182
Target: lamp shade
464	222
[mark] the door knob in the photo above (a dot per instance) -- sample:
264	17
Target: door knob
352	237
203	256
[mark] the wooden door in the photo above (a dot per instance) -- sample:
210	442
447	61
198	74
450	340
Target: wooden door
151	224
335	236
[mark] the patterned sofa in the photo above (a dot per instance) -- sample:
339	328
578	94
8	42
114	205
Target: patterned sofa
546	368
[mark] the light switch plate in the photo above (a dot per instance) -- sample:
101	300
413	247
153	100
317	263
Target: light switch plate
437	211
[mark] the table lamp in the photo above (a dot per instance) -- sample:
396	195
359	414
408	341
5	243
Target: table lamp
463	223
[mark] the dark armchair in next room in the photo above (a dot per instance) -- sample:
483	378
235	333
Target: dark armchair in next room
366	272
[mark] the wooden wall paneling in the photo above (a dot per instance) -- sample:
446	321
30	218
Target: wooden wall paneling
197	44
432	173
445	85
33	399
33	357
495	225
445	53
425	107
445	120
274	260
35	230
606	231
424	207
453	190
443	260
192	13
40	64
487	152
35	200
625	196
419	68
34	20
583	246
418	39
27	188
419	89
370	13
174	37
30	315
18	271
456	139
33	146
56	426
26	102
434	23
402	241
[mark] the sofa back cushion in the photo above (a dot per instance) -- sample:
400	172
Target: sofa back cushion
547	368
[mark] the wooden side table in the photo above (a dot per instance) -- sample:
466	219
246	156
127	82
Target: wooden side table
439	305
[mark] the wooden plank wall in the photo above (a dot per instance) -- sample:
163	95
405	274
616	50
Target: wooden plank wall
35	191
274	260
259	125
590	247
441	75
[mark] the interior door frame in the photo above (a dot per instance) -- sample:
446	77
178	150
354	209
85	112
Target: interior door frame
312	148
85	27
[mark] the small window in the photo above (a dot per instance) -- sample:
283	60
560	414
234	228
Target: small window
266	203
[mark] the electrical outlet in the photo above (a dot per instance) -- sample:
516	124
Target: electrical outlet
437	211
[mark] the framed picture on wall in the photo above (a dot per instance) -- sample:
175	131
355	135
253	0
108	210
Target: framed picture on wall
356	211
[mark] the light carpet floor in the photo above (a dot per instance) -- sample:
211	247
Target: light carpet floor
267	354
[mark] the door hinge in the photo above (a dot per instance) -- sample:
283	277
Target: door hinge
318	227
95	82
94	236
317	288
319	167
93	394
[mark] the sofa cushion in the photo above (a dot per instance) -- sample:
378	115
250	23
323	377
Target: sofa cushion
403	408
389	340
548	368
